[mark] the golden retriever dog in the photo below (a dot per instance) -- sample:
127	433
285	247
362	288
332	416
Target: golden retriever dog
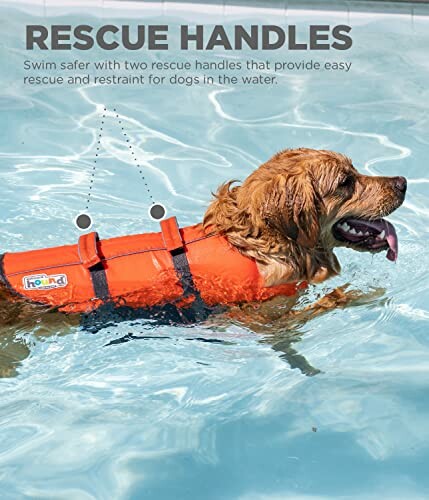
289	215
295	209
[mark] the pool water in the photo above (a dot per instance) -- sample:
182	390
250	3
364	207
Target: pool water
214	410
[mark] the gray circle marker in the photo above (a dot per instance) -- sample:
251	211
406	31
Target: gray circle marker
157	211
83	222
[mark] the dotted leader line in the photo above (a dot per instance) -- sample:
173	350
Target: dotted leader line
94	167
130	147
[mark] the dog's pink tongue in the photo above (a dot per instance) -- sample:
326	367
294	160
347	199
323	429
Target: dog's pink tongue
392	240
390	236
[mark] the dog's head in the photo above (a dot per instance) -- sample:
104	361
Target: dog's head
311	201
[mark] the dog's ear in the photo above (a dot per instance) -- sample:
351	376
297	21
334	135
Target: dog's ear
291	206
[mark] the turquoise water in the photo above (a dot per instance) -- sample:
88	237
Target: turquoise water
169	417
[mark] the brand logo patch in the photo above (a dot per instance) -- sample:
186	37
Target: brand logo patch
45	282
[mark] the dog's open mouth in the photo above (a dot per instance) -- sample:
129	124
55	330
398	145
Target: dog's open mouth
373	236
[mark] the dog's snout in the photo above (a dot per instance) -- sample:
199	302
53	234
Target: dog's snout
400	184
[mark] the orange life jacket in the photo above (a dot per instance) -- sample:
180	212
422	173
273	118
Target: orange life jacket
143	270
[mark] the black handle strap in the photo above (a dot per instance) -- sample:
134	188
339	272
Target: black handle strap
175	245
90	258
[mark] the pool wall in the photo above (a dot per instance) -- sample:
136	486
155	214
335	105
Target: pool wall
221	8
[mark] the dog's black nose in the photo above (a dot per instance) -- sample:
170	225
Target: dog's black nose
400	184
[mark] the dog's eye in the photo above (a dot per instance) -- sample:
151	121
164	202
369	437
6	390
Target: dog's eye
347	182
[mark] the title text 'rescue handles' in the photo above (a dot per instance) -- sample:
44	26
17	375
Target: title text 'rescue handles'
199	37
